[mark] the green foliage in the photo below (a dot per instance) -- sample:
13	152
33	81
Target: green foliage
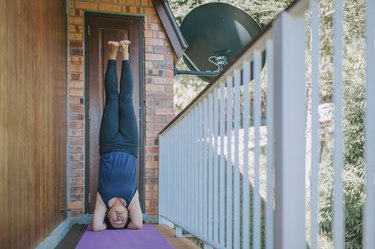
187	87
354	104
264	12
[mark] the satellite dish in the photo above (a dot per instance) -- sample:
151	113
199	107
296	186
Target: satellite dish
216	33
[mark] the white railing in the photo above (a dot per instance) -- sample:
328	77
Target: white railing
246	151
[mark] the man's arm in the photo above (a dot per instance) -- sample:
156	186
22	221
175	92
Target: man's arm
99	213
135	213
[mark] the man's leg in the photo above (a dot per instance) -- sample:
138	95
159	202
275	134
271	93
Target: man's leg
128	123
110	120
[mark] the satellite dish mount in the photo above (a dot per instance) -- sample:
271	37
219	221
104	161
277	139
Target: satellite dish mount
216	34
219	59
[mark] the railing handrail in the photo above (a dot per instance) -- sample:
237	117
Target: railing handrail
218	160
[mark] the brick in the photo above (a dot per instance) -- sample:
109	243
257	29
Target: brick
160	50
76	68
169	73
77	157
76	133
78	52
154	57
132	9
76	189
149	172
77	125
153	26
77	197
147	203
76	20
74	28
151	134
149	188
146	2
77	109
77	149
149	111
160	80
163	111
154	42
169	57
148	33
151	195
160	65
76	165
149	126
75	100
77	181
76	12
110	7
77	117
155	119
76	44
149	11
150	142
159	127
155	72
76	205
76	59
77	141
149	180
154	103
76	92
149	49
151	211
76	76
164	96
86	5
76	84
151	150
109	1
149	96
76	37
152	165
76	173
154	19
148	64
72	12
169	118
160	34
154	88
130	2
169	89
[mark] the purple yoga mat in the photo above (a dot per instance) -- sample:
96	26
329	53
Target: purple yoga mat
146	238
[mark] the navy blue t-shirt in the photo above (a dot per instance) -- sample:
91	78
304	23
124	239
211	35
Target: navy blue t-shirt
117	176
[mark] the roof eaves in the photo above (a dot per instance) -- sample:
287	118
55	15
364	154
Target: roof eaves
169	23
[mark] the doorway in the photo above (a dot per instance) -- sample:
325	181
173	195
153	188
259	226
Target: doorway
100	29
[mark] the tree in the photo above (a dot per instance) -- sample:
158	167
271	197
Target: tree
264	11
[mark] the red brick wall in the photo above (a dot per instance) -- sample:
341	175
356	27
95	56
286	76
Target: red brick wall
158	88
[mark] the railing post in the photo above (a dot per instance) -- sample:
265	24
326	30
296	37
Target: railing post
179	232
207	246
289	129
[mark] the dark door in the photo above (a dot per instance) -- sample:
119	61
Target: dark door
101	29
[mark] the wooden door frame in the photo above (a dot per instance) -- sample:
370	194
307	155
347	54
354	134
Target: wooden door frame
140	20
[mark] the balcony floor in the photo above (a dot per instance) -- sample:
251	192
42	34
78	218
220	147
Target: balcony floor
151	236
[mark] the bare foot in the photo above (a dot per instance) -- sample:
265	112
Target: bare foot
113	49
124	49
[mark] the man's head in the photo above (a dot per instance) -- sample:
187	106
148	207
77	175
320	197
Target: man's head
117	217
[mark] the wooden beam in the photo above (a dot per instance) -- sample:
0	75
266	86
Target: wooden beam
171	28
